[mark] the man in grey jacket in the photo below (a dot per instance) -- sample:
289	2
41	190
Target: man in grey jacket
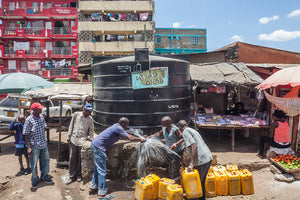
81	129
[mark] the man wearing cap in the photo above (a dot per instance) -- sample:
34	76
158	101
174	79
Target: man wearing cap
81	129
35	138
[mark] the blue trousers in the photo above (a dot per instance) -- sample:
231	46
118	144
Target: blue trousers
43	156
99	176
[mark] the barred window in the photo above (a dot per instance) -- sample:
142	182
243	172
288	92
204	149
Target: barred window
194	40
157	40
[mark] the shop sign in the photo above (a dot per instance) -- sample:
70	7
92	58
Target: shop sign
74	71
62	11
74	31
46	73
74	50
20	32
153	78
20	53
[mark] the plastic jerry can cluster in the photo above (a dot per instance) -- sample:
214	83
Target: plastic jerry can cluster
221	183
174	192
163	184
234	185
210	185
230	168
246	181
154	179
191	184
219	168
143	189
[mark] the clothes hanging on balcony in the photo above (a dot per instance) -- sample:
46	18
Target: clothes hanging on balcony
34	65
144	16
21	46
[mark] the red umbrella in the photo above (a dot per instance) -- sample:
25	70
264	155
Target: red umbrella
288	76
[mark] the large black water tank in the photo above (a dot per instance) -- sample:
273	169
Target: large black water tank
115	97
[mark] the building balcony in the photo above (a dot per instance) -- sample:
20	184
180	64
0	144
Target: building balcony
38	13
36	52
116	48
69	72
116	27
39	33
117	6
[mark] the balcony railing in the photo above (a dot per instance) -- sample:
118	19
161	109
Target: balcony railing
9	51
116	0
61	51
61	31
38	11
39	32
41	52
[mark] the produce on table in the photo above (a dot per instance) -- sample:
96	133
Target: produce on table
288	161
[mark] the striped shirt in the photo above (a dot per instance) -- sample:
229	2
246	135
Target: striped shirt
35	128
192	136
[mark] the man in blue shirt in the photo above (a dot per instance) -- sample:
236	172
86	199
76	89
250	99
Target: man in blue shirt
99	146
21	148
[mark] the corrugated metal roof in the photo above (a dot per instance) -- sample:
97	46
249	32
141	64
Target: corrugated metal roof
224	73
270	65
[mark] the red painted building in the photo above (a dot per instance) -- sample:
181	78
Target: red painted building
39	37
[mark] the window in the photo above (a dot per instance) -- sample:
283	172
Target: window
194	40
157	40
48	5
24	65
35	5
36	45
12	64
10	102
11	6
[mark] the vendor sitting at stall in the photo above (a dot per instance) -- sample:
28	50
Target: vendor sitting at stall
280	130
239	108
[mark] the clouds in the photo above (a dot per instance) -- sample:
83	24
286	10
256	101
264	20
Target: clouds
280	36
237	38
177	24
295	13
265	20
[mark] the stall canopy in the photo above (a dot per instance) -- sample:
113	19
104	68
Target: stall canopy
224	73
64	88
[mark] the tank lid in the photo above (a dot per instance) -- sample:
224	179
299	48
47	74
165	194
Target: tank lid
151	58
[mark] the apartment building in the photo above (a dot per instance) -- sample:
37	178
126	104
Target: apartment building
114	28
39	37
180	40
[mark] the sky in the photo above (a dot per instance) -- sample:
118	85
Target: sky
270	23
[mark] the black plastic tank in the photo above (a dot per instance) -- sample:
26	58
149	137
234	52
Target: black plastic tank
115	96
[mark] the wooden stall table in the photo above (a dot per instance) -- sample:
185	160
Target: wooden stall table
230	127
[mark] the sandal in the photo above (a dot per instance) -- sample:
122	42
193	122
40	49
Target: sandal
261	157
107	197
92	191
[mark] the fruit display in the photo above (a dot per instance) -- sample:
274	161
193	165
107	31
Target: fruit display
288	161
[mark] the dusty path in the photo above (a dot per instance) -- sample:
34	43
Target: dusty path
18	187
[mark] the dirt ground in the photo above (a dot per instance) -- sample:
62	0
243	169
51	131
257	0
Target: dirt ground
265	186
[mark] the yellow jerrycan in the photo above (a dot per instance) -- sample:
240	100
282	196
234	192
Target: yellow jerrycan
174	192
162	189
221	183
234	184
192	184
154	179
210	185
246	181
230	168
143	189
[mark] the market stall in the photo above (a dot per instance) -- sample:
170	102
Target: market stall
287	80
218	90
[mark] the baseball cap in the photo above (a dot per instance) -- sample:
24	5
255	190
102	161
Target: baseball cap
88	107
36	105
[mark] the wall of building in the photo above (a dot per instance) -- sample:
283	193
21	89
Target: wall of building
180	40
